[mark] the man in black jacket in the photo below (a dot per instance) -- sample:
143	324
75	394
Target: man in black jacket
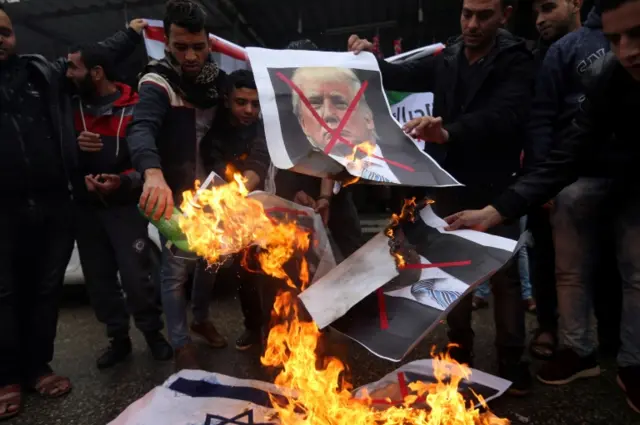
38	155
482	88
601	142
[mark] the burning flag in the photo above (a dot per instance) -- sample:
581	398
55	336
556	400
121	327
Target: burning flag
224	220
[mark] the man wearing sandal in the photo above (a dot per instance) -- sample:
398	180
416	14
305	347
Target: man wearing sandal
37	156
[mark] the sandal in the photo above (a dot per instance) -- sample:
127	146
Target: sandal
53	386
543	344
10	401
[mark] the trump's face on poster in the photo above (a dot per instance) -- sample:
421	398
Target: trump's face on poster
330	92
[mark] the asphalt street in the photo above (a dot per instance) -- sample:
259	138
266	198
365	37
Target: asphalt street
99	396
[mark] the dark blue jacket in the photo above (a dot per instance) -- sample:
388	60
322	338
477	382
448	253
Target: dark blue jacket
560	86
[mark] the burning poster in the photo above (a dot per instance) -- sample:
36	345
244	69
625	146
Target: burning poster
193	397
326	112
389	307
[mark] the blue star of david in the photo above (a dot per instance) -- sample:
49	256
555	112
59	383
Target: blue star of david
210	420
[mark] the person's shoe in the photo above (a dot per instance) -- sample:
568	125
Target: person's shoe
159	347
209	334
117	351
516	371
248	339
479	303
567	366
629	380
186	357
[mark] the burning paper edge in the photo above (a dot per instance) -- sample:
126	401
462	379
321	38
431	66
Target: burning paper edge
381	267
425	367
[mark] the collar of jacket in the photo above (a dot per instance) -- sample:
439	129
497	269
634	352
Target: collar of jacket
504	41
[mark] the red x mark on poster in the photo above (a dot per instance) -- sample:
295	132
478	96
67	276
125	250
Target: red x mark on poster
335	133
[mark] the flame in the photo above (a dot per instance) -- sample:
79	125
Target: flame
321	397
222	220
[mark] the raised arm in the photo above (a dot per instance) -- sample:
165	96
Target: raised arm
414	76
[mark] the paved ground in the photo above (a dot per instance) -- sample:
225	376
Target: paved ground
98	396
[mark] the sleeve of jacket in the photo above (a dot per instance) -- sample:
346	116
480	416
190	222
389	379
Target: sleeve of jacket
258	159
509	106
122	44
562	165
146	123
416	76
549	92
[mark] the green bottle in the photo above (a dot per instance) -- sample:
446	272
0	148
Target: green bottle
170	229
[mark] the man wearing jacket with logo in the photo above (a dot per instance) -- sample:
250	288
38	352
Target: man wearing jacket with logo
110	232
602	142
38	156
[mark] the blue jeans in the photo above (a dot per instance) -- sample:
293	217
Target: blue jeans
174	275
483	291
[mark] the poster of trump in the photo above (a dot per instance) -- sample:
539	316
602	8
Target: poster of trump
326	114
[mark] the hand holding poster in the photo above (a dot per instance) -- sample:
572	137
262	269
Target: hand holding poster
325	112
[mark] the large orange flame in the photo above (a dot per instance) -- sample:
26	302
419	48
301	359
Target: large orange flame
224	221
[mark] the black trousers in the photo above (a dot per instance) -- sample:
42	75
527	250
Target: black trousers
543	269
344	223
36	241
112	240
509	315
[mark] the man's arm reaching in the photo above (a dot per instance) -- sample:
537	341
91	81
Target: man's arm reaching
256	166
145	126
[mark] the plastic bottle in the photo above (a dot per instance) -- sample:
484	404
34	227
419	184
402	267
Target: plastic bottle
170	229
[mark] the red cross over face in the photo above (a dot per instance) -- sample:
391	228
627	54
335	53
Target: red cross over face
331	101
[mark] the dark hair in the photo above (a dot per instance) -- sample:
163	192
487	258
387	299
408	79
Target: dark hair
304	44
241	79
94	55
185	14
606	5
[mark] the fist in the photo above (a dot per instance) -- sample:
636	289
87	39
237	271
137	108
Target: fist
356	44
89	142
138	25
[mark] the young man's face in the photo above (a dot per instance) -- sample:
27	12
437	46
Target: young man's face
622	28
480	21
7	37
554	18
190	49
79	75
244	105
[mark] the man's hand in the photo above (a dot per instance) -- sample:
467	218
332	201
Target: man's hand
480	220
357	44
322	208
89	142
428	129
305	200
102	183
138	25
156	194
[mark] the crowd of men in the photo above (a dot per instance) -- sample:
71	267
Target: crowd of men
80	151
